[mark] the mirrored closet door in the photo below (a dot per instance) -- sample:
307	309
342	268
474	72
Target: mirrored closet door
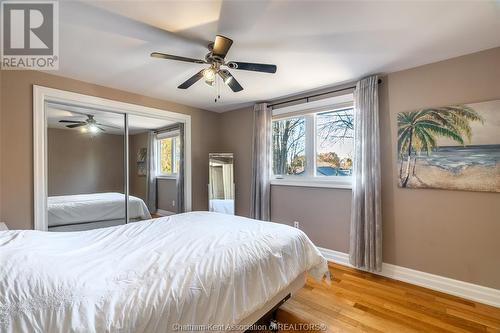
156	166
85	173
108	168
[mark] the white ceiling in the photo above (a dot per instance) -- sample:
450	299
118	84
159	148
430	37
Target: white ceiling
314	44
137	124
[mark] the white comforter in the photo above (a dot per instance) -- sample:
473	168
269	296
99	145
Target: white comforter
72	209
192	268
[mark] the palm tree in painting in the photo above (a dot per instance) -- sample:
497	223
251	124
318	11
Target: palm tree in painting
418	130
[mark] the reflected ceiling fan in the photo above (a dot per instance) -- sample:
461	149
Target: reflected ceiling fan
90	124
216	59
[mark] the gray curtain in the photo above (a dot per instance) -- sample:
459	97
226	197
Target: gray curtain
151	173
365	249
180	175
261	165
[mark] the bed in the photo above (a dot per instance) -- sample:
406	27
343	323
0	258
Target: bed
159	275
95	210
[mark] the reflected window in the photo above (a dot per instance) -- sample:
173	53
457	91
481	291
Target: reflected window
168	153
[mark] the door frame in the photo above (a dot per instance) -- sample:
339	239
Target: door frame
42	95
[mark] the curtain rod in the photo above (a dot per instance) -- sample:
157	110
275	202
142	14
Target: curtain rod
316	95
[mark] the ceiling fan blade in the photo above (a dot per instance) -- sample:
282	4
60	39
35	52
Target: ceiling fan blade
76	125
221	46
193	79
72	122
174	57
104	125
230	80
102	129
248	66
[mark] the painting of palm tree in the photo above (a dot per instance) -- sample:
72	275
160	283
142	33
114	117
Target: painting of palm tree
451	147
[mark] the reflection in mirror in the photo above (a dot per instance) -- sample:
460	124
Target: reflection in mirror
85	168
156	165
221	183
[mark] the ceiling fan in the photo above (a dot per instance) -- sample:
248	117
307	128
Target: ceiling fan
90	124
216	59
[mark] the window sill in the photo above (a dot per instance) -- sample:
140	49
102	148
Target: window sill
167	177
311	183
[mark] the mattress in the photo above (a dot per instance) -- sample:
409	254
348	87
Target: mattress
84	208
196	268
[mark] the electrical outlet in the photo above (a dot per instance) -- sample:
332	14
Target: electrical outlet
173	203
296	224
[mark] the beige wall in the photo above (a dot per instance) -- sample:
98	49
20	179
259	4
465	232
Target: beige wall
449	233
166	188
16	179
236	137
167	194
78	163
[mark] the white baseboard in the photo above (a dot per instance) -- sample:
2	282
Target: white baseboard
459	288
164	212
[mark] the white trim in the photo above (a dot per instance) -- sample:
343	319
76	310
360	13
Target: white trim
311	182
169	177
310	145
450	286
41	95
164	212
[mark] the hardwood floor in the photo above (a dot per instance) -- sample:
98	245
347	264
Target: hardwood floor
357	301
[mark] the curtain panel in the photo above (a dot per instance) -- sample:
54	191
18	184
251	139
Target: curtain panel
180	175
151	173
261	165
365	250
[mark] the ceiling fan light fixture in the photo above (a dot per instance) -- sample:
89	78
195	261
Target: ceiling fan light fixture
93	129
209	74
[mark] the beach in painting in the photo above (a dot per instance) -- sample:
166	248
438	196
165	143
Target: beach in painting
453	147
473	168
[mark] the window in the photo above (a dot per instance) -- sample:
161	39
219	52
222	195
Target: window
168	154
314	147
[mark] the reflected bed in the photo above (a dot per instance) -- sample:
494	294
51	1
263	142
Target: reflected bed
95	210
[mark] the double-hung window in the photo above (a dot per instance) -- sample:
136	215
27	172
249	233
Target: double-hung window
168	150
314	145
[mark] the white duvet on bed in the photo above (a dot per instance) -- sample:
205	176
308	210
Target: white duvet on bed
72	209
192	268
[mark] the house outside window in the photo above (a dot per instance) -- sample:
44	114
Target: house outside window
314	145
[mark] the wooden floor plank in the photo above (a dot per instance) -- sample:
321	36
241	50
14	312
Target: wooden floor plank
357	301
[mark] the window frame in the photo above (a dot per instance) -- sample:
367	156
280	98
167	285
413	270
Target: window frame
311	179
174	135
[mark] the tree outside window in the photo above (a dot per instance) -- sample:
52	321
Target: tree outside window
332	132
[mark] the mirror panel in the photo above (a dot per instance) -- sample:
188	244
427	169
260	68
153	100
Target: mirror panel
155	153
85	168
221	183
